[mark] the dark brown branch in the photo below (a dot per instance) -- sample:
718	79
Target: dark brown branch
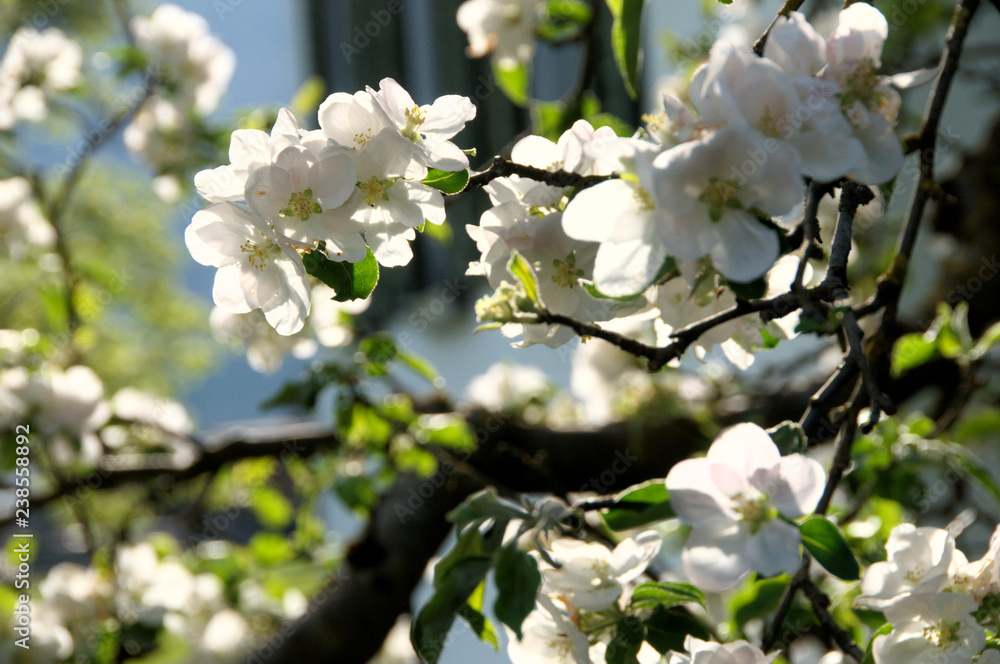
771	634
820	604
502	167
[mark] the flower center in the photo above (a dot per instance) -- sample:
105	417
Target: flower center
374	190
753	511
257	253
861	86
719	196
643	198
414	118
942	635
770	126
363	137
301	205
567	273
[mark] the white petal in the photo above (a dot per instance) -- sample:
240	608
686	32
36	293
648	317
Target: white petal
746	249
627	268
716	561
591	214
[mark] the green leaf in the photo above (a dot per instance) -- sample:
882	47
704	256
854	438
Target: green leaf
350	281
513	81
666	629
440	233
521	270
575	11
827	545
456	578
418	365
626	641
990	337
472	613
911	351
272	508
450	182
789	437
639	505
869	656
485	504
308	97
517	581
757	597
666	594
270	549
625	40
445	430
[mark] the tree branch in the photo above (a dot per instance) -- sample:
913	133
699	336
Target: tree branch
502	167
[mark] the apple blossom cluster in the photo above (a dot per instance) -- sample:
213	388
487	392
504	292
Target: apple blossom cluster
692	207
35	66
353	186
580	577
737	500
192	68
22	224
930	594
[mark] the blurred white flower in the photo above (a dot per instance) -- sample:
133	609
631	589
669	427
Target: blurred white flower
506	386
982	577
331	321
194	64
224	634
22	224
503	28
265	348
709	652
35	65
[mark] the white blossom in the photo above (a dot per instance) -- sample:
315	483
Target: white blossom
920	561
935	628
257	268
982	577
505	387
710	652
331	321
590	575
733	497
22	224
428	127
264	347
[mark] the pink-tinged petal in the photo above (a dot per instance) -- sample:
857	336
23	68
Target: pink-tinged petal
746	249
693	495
228	290
804	482
447	116
627	268
445	155
588	215
715	560
774	548
859	35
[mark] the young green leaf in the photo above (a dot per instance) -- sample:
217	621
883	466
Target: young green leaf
665	594
625	39
789	437
827	545
513	81
911	351
521	270
450	182
625	643
639	505
485	504
350	281
472	613
517	580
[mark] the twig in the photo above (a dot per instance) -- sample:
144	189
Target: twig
842	455
821	403
820	603
771	635
502	167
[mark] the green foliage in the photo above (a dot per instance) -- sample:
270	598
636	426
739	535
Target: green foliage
350	281
789	437
483	505
827	545
472	613
447	181
639	505
627	640
665	594
625	40
513	80
666	629
519	268
517	581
